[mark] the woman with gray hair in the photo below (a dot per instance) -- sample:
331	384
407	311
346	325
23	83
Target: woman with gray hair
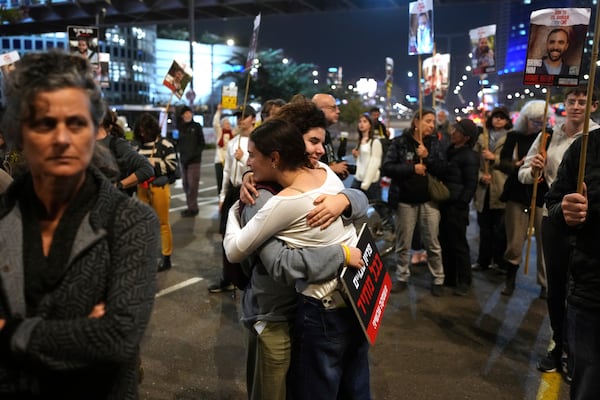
518	196
78	276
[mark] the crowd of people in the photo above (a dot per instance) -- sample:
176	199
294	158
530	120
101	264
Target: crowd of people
91	215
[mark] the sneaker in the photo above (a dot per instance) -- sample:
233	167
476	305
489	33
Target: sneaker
189	213
399	286
550	363
437	290
222	286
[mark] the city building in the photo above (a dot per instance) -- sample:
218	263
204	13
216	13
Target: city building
139	62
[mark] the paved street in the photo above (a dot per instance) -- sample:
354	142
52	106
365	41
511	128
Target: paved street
483	346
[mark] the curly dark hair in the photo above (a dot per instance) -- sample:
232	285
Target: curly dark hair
305	115
146	128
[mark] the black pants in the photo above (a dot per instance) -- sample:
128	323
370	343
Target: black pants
455	248
233	194
219	175
492	234
556	254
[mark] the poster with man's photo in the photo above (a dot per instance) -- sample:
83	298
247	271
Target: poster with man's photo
177	78
102	72
83	41
483	45
555	46
435	73
420	27
8	62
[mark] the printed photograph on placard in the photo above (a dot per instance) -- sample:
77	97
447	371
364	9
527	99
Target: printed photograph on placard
435	73
8	62
83	41
177	78
483	44
102	72
555	46
420	27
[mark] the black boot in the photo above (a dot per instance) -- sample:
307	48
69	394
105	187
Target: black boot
164	264
511	276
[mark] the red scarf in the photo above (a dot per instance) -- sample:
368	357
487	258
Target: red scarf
222	140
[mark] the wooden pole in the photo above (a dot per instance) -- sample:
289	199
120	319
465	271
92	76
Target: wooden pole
433	77
588	107
536	179
420	135
486	135
164	119
242	117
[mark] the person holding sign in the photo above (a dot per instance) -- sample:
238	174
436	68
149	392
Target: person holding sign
517	195
332	360
577	217
223	133
408	161
269	300
556	246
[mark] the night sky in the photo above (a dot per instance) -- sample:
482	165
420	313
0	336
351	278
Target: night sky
358	41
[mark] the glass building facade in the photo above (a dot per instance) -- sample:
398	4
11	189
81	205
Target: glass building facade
139	62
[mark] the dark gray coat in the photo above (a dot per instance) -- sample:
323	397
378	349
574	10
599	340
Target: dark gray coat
59	352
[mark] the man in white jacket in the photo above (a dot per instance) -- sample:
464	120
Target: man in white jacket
555	247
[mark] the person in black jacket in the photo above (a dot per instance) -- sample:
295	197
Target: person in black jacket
191	144
134	168
409	159
461	179
578	217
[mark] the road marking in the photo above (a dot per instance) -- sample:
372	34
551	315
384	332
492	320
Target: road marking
180	285
549	386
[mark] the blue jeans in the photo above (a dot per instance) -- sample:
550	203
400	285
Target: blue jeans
329	354
584	352
427	215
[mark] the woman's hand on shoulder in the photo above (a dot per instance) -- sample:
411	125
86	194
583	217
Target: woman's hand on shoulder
327	209
248	190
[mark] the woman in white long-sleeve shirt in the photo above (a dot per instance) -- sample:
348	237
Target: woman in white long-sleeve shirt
368	155
330	355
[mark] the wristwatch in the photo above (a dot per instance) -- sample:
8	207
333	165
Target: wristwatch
119	185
